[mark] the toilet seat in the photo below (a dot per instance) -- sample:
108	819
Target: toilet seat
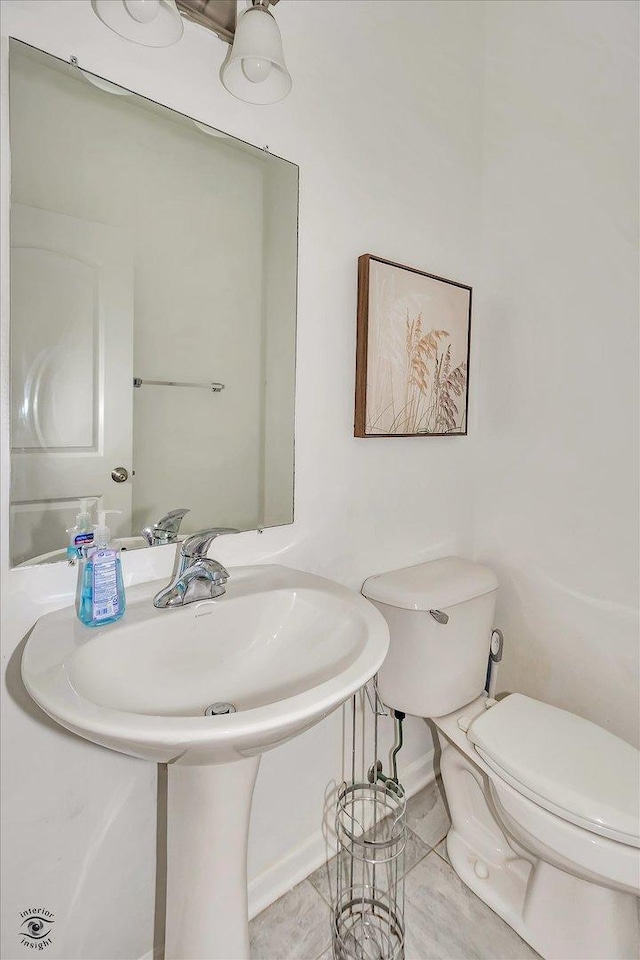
569	766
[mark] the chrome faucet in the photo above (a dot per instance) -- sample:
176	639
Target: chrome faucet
164	530
195	576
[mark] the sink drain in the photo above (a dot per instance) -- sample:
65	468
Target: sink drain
219	709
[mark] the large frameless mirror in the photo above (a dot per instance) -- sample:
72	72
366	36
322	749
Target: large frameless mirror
153	311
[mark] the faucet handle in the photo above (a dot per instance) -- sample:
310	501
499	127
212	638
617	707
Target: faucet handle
172	520
165	530
198	544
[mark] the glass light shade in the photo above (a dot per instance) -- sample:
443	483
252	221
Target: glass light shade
255	70
162	30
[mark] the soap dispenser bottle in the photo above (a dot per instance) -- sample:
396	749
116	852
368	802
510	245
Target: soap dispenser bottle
81	536
100	596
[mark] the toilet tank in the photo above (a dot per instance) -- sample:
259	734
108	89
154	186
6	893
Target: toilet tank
435	667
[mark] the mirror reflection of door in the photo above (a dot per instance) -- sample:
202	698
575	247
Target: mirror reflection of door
154	238
72	371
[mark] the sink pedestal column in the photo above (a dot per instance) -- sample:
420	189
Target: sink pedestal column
207	832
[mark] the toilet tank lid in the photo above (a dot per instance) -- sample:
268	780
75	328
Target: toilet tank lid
431	586
569	765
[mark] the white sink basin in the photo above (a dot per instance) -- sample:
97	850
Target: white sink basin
284	647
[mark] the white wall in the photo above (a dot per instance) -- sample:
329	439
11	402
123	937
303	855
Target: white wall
384	121
557	433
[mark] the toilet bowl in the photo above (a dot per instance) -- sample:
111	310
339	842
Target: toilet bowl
545	805
569	891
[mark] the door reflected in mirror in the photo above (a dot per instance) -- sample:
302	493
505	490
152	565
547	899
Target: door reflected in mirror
153	314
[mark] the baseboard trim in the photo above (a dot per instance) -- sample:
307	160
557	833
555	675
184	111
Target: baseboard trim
419	773
295	866
300	862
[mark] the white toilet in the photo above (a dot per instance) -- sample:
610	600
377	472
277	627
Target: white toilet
545	806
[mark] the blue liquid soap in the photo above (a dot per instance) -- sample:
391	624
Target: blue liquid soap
100	595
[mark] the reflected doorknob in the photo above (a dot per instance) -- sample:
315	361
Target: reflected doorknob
119	474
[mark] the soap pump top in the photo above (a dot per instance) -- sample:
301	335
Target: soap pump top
84	520
102	534
81	536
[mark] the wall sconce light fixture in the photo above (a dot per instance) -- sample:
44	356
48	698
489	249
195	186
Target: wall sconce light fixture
254	69
153	23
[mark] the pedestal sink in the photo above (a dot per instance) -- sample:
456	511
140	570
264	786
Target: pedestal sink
284	648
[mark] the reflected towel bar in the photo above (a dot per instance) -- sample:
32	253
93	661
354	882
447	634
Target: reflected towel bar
215	387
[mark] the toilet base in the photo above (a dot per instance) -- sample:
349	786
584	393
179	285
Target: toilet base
560	915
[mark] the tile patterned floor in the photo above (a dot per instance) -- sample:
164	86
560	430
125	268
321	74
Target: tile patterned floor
444	919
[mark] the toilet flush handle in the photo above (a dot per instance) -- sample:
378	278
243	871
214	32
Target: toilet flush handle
439	616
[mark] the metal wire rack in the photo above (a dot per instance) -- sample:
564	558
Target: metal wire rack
368	913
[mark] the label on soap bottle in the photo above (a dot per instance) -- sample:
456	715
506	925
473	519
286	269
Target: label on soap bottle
83	543
105	602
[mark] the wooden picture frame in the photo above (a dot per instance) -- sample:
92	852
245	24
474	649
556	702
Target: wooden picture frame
412	352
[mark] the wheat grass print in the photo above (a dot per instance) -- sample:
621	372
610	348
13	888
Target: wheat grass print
412	352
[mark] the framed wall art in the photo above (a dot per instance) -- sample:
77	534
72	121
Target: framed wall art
412	355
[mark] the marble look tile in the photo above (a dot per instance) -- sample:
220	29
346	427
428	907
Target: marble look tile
441	850
295	927
427	814
444	919
325	877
